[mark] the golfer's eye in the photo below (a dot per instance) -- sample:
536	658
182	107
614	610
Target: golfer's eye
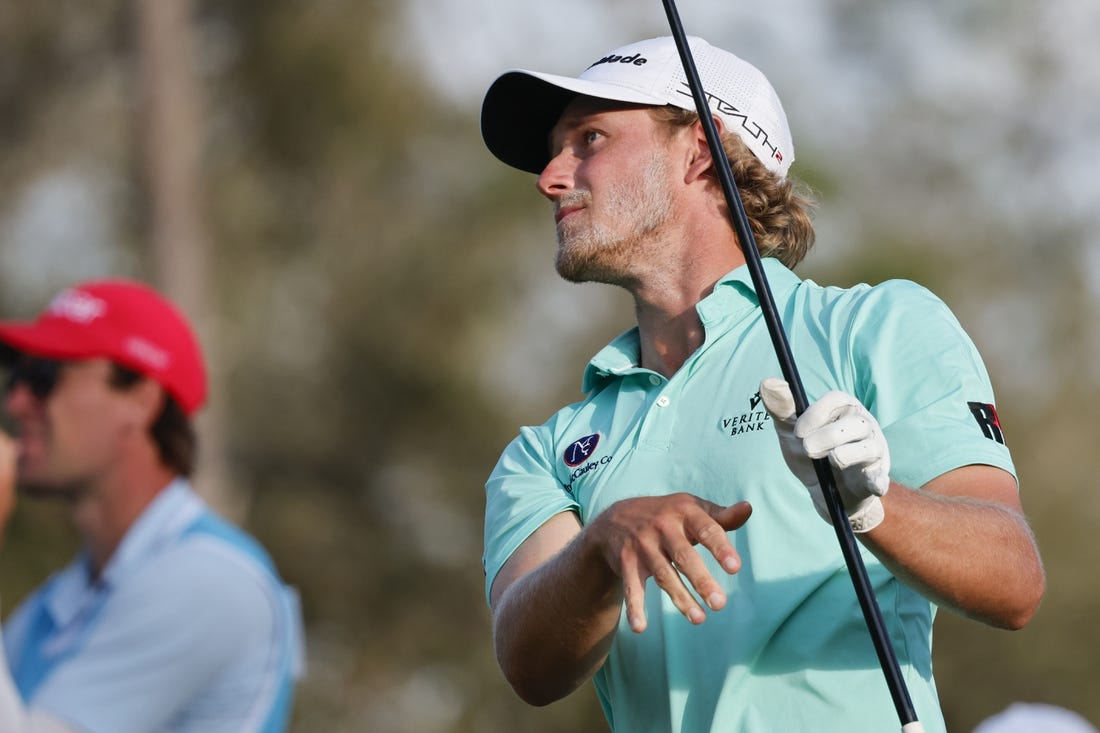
591	136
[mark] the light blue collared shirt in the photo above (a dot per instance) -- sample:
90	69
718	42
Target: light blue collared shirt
187	629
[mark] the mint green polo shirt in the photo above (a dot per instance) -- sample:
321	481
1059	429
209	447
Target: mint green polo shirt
790	652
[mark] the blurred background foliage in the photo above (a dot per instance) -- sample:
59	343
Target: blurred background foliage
378	305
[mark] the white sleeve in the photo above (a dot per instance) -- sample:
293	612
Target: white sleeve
14	716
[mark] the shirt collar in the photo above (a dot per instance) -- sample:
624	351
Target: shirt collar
166	517
733	297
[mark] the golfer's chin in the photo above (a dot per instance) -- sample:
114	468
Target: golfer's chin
585	272
582	261
571	270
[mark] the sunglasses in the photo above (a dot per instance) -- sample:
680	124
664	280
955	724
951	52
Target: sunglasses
40	376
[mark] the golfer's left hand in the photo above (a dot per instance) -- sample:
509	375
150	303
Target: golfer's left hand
838	427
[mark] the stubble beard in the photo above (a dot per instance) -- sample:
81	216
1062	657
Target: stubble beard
631	214
39	478
51	489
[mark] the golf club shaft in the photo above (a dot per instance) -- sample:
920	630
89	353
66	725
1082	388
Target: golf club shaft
865	594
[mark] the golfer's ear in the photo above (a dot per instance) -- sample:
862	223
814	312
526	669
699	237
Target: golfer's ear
701	160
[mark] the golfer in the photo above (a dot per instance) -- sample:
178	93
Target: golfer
664	536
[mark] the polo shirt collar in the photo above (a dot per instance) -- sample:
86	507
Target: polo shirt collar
166	517
732	298
781	281
618	358
164	520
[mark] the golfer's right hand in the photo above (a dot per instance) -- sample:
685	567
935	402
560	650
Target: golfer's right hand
655	536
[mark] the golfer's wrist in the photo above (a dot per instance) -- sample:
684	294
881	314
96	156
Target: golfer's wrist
868	515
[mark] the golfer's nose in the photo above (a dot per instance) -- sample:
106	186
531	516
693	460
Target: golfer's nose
557	177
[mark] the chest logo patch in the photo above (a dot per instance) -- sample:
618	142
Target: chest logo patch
579	451
756	418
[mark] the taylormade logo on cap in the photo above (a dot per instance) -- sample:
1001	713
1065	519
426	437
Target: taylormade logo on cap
637	59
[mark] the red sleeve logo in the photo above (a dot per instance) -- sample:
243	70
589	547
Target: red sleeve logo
986	415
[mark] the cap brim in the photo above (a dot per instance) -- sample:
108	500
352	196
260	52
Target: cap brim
8	354
522	107
43	341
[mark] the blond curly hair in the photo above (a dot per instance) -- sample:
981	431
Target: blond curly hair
779	209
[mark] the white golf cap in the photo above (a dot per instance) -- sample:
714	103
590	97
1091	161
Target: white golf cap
1035	718
521	107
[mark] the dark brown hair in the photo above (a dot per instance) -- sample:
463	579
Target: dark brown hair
172	431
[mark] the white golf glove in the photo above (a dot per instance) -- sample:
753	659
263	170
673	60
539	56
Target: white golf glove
839	427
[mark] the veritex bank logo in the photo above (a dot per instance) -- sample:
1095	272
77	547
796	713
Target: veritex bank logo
754	419
580	456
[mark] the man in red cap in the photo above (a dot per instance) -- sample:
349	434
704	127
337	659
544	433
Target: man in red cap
170	618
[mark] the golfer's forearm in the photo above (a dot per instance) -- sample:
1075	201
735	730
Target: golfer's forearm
975	557
553	627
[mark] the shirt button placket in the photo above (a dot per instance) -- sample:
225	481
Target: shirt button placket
659	425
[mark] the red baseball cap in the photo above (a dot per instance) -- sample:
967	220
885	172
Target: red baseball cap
121	320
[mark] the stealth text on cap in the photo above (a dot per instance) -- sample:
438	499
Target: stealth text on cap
636	59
